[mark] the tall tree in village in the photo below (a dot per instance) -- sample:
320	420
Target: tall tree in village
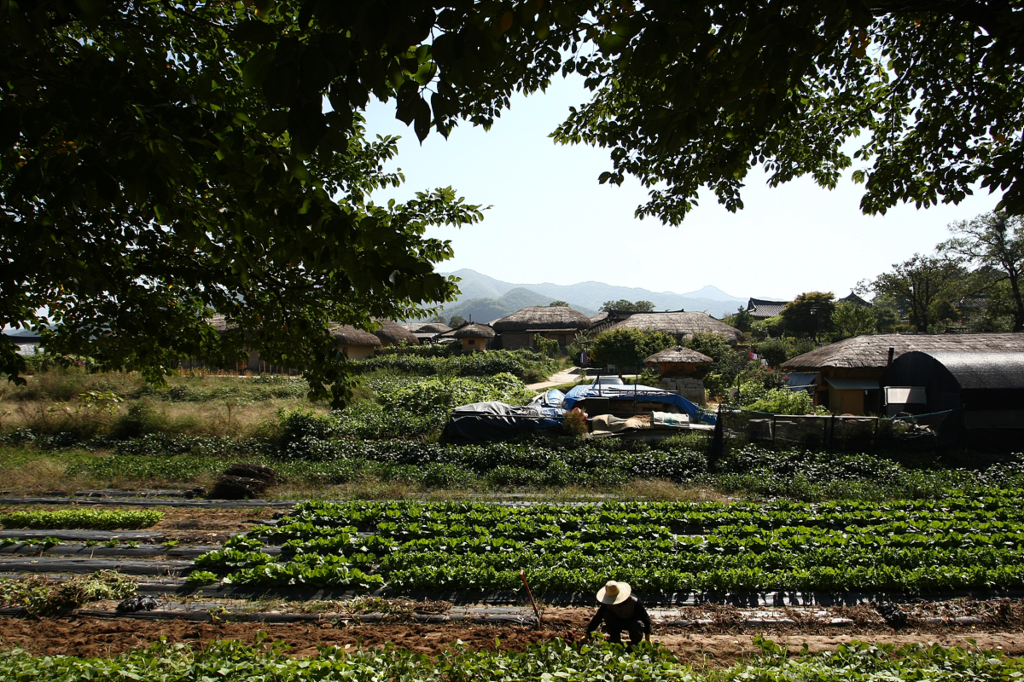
925	287
161	161
853	319
994	242
810	314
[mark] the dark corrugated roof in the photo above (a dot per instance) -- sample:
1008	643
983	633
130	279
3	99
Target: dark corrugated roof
872	351
984	370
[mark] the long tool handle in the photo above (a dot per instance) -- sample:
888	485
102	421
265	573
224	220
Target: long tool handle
529	593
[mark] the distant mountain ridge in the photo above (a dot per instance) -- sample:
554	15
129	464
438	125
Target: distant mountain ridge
486	298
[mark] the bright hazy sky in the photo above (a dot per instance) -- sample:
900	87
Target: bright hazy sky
551	221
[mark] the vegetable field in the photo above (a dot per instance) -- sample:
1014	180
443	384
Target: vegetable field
552	661
665	550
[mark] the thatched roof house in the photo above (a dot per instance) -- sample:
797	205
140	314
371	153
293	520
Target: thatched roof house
355	343
392	334
473	336
678	355
472	330
680	324
559	323
871	351
681	372
847	373
432	328
542	318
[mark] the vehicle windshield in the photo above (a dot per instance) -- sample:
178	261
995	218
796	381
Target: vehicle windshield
607	381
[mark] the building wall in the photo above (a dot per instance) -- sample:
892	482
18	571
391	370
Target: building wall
846	402
516	340
472	345
356	352
852	401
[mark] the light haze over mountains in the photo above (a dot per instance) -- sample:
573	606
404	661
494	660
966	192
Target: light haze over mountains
487	299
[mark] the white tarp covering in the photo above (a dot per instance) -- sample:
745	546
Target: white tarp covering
671	419
905	395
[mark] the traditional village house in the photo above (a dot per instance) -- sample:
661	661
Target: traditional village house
855	299
426	332
473	336
559	323
680	324
846	375
391	334
356	344
760	309
682	371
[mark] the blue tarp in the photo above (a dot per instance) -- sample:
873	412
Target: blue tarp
647	394
552	398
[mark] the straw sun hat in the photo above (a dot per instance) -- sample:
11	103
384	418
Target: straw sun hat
614	593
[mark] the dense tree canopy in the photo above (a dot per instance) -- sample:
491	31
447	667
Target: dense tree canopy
694	94
995	244
810	314
160	161
622	305
627	348
923	288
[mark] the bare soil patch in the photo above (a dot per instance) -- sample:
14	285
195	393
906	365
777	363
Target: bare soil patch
714	645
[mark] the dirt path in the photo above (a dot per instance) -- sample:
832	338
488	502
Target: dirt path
105	637
563	377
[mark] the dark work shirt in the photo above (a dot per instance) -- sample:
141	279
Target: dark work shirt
621	616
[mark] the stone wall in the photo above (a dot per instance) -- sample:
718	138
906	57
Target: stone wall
690	388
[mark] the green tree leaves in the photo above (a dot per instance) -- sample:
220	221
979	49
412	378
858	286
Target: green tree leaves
627	348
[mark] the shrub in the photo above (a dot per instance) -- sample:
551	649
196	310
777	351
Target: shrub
626	348
295	425
784	401
728	362
449	476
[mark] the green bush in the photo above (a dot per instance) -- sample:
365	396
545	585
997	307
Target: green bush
784	401
411	408
449	476
728	362
627	348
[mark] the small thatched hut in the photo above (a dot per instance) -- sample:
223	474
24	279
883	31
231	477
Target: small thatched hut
355	343
682	371
473	336
431	328
392	334
847	373
559	323
680	324
679	361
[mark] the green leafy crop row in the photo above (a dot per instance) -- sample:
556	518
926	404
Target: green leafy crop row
94	519
660	548
555	660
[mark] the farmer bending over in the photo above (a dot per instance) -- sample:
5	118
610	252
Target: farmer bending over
620	611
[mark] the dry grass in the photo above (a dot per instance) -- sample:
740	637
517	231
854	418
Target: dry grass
46	473
656	490
229	418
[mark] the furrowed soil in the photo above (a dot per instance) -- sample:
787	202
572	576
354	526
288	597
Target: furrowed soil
724	640
106	637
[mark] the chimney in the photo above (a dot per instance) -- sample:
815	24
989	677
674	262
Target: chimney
892	352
